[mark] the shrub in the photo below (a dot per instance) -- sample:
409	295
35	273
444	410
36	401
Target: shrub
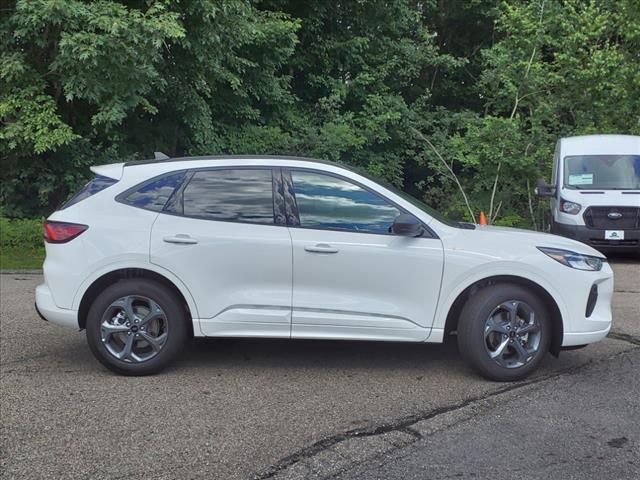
20	233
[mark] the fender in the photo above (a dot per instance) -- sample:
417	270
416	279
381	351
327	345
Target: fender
129	263
481	272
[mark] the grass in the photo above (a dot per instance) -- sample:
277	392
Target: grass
21	257
21	244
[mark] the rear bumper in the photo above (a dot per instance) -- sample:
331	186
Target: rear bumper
595	237
48	310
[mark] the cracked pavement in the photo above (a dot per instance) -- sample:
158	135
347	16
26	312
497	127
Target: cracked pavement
300	409
570	427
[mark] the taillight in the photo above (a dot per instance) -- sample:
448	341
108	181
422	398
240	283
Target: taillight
61	232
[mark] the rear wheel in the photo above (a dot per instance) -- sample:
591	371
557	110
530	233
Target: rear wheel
504	331
136	327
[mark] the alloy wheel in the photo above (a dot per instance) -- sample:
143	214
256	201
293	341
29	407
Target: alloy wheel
512	334
134	329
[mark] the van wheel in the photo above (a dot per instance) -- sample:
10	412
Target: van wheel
136	327
504	331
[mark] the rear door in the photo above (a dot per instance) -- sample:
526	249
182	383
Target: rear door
224	235
352	278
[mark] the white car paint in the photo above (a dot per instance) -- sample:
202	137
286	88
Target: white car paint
497	251
261	280
239	275
380	287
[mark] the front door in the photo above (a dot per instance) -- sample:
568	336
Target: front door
352	278
224	238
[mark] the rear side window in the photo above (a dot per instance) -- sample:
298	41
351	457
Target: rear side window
238	195
153	195
96	185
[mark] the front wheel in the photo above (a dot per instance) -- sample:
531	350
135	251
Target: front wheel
136	327
504	331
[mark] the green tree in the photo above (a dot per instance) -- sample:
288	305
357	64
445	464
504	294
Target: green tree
438	97
559	68
85	83
359	71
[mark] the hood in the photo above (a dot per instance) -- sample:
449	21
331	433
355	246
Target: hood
537	239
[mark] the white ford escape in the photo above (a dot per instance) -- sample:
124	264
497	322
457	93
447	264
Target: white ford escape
151	253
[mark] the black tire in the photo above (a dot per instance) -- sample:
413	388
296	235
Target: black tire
473	345
176	324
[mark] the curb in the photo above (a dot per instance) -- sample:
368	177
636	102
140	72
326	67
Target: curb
21	271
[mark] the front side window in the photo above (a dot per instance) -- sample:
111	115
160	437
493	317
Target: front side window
153	195
606	172
328	202
239	195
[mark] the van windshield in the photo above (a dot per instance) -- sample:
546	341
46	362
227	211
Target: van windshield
605	172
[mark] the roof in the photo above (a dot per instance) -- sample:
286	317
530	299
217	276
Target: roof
600	145
162	165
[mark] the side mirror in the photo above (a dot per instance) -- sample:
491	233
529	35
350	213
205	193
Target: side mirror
407	226
544	190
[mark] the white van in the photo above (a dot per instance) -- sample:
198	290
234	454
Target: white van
595	191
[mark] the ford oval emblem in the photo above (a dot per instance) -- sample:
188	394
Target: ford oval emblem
614	215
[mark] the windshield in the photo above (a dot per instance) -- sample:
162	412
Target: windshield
606	172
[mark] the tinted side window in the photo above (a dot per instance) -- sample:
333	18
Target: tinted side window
328	202
154	195
240	195
96	185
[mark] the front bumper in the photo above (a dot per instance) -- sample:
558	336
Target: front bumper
595	237
588	322
48	310
573	339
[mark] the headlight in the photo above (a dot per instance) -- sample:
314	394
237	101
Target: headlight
572	208
573	259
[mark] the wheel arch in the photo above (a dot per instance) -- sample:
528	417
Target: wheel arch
557	325
116	275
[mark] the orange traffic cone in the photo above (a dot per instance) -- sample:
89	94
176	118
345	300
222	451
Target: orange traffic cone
483	218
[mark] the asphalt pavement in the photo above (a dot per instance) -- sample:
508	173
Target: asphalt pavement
296	409
580	426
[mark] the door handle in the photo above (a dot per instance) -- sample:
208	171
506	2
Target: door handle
321	248
180	238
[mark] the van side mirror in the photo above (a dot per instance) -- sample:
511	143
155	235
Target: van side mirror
544	190
407	226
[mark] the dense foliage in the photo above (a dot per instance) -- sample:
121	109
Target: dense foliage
416	91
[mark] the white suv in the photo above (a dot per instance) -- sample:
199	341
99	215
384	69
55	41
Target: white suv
151	253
